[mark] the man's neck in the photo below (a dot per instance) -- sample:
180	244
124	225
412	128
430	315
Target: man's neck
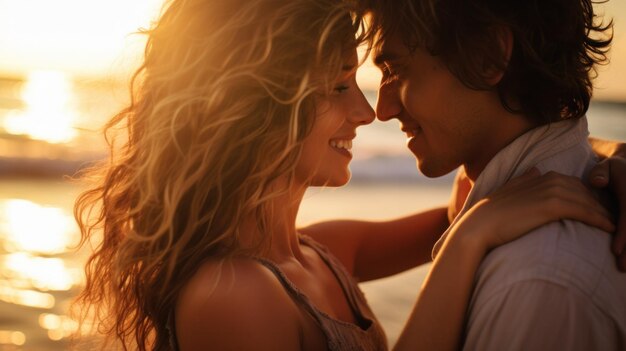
509	127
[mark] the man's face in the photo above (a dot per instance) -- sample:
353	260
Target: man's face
447	124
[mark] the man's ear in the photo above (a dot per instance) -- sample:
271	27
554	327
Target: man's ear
504	36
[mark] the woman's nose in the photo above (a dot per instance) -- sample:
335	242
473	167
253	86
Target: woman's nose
363	113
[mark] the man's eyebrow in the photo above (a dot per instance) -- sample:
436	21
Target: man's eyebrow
383	57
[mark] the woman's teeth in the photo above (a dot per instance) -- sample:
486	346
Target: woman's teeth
341	144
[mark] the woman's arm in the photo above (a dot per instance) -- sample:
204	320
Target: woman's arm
372	250
523	204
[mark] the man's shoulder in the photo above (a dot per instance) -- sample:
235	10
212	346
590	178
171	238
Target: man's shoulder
558	241
526	290
566	253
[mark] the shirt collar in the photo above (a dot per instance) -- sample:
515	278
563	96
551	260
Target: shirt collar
523	153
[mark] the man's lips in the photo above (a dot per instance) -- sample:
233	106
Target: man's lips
411	131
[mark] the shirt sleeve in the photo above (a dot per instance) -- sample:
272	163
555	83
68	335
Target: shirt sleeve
539	315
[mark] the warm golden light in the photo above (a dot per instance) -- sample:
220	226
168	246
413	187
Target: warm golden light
49	321
58	327
27	226
86	38
39	272
10	337
25	297
48	115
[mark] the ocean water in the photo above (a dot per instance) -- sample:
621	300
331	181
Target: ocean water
40	273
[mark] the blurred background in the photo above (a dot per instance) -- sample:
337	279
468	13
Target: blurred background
64	70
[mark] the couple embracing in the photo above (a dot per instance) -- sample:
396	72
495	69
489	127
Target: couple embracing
242	105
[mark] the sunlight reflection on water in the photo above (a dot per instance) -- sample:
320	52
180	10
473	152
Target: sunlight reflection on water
49	114
23	223
38	273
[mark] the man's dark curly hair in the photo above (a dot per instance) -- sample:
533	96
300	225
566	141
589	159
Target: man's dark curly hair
556	45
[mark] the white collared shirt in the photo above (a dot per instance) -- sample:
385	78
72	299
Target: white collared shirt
556	288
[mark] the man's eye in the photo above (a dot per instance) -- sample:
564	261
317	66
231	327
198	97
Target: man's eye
389	73
340	89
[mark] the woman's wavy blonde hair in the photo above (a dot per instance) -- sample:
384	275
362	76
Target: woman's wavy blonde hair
218	112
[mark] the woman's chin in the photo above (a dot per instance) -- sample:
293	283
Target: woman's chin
332	182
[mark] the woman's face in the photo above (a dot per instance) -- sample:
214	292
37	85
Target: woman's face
327	151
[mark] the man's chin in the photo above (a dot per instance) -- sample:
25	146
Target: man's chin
433	170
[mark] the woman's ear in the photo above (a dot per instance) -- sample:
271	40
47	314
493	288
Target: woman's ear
504	36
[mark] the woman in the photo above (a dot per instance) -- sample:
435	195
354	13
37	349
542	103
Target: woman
238	107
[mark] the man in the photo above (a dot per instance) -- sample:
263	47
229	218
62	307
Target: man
499	87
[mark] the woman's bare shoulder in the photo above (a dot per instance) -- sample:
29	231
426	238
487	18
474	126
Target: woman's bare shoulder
236	304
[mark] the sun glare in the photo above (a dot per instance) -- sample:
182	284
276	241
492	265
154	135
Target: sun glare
58	327
26	297
49	114
11	337
84	37
27	226
29	235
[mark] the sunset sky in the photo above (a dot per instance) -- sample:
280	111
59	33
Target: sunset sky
92	38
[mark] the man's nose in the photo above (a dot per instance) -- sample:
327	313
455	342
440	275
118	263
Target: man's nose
388	104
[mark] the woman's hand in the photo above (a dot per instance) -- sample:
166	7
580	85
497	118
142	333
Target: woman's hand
528	202
610	174
519	206
460	189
